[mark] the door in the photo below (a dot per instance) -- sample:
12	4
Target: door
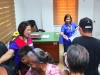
96	18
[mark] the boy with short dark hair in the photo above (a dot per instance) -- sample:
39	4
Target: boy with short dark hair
23	66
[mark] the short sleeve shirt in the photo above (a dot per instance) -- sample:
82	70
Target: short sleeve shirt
17	44
93	47
68	31
52	70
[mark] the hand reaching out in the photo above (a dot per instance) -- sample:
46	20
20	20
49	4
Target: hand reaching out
65	37
65	54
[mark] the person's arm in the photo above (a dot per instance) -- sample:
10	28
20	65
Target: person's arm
61	33
7	56
19	72
3	71
64	36
12	47
76	26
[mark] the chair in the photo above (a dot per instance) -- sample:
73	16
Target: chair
34	27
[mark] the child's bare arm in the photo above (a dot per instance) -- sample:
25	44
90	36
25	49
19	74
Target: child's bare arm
19	72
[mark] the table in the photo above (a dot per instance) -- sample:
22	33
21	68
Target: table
50	44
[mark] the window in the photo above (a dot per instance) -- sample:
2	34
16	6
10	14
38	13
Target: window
63	7
7	20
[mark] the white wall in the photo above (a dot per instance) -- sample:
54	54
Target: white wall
85	9
47	15
42	12
19	11
33	11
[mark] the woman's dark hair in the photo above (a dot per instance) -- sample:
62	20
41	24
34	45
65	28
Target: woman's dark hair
22	26
77	58
24	50
41	56
66	16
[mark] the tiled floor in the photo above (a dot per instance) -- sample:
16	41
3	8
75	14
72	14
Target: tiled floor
61	51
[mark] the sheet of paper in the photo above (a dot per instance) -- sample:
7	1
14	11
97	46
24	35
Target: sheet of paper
73	36
57	33
45	36
34	34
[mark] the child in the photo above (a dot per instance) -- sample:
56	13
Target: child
23	66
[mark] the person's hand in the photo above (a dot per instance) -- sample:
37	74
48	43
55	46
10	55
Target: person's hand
65	54
65	37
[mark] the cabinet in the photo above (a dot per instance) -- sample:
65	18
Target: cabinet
51	47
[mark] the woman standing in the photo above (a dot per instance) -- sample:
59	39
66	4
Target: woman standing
67	31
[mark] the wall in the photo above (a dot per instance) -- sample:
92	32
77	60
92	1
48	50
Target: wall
85	9
19	11
33	11
42	12
47	15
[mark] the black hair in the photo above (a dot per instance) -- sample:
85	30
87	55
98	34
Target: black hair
24	50
66	16
77	58
49	58
22	26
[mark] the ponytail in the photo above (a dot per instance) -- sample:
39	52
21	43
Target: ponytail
48	58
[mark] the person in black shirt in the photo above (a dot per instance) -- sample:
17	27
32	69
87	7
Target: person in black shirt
90	43
23	66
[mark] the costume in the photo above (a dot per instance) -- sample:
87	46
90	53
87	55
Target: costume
52	70
17	44
68	31
93	46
